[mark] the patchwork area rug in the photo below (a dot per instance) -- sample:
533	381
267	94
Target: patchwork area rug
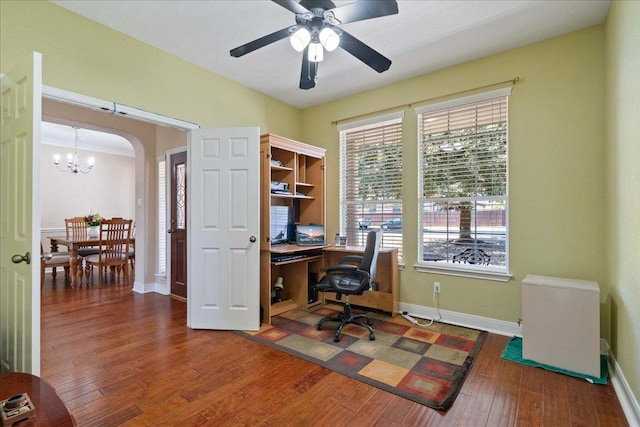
426	365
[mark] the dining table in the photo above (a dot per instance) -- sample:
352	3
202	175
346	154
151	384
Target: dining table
73	245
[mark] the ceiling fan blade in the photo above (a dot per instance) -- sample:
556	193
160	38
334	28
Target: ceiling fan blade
364	9
308	73
261	42
364	53
293	6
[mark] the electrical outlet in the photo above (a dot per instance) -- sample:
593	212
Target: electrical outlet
436	287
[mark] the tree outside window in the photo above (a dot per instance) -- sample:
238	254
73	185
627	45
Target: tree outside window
463	153
371	179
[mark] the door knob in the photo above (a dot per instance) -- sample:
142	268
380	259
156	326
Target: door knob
17	259
252	239
170	230
46	256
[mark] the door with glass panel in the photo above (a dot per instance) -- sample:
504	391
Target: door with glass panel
178	224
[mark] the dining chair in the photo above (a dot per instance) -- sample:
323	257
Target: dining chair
53	260
132	247
115	239
76	229
132	244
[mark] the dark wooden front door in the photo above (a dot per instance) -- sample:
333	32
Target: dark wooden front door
178	224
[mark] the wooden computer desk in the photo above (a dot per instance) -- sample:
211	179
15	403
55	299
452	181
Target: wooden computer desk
298	273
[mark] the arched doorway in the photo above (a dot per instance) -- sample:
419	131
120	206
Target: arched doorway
149	142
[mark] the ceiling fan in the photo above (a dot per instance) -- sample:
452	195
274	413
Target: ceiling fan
316	30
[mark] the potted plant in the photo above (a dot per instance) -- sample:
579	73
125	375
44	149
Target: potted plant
93	221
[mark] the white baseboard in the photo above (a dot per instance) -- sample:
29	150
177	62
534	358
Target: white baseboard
495	326
145	288
142	288
50	230
162	288
627	399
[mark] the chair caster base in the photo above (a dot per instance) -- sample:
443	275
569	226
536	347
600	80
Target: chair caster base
372	337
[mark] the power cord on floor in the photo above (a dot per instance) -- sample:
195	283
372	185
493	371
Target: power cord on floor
415	322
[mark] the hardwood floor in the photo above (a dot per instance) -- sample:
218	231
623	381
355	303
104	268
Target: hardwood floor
121	358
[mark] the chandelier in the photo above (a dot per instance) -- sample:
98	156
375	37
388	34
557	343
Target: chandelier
73	164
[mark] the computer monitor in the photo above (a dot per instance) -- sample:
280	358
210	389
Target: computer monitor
282	226
310	235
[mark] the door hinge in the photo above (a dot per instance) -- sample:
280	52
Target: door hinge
268	155
322	167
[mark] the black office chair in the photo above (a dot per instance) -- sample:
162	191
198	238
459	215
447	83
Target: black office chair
350	279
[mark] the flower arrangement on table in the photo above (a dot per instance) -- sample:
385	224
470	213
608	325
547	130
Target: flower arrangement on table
93	219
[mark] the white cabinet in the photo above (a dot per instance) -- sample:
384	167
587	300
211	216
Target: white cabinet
561	323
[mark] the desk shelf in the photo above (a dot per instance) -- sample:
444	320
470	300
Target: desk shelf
291	196
282	307
309	258
297	274
302	168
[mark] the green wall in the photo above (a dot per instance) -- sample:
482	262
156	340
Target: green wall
85	57
556	172
622	37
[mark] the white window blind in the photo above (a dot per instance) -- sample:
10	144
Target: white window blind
463	183
371	180
162	217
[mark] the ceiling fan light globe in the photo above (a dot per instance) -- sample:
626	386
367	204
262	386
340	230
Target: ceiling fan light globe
300	39
91	161
316	53
329	39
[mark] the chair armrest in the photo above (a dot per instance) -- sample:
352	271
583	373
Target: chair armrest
341	267
351	258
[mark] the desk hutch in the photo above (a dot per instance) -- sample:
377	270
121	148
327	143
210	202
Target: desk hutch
302	168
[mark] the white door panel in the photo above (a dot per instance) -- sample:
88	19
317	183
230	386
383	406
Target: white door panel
20	216
224	267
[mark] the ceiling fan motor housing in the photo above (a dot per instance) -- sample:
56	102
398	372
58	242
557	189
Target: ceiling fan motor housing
322	5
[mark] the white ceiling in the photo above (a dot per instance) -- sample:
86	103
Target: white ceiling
90	140
423	37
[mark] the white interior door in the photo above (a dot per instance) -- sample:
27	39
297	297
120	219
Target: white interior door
20	116
223	228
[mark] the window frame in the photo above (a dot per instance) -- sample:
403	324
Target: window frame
451	268
384	204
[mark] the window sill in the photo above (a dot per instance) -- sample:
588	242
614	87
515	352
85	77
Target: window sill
463	272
